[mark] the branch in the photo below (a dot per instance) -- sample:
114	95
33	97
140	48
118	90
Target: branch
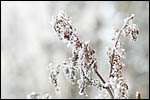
120	87
107	88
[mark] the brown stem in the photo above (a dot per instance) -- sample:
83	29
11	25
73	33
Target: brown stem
107	88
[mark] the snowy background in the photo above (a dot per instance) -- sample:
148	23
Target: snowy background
28	44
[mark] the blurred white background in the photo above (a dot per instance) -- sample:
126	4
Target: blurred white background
28	44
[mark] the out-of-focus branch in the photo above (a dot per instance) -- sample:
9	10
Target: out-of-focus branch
138	95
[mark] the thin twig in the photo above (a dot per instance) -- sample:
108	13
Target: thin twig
107	88
124	26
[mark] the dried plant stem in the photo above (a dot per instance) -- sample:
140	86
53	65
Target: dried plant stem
120	31
107	88
124	26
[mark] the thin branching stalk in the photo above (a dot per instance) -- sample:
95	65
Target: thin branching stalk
116	82
108	88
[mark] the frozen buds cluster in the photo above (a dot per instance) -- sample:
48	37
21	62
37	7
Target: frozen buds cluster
130	28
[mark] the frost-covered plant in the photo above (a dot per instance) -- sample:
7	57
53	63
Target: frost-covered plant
84	63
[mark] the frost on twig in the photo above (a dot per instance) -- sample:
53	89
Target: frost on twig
117	83
53	73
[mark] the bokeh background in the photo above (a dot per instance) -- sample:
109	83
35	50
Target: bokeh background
28	44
